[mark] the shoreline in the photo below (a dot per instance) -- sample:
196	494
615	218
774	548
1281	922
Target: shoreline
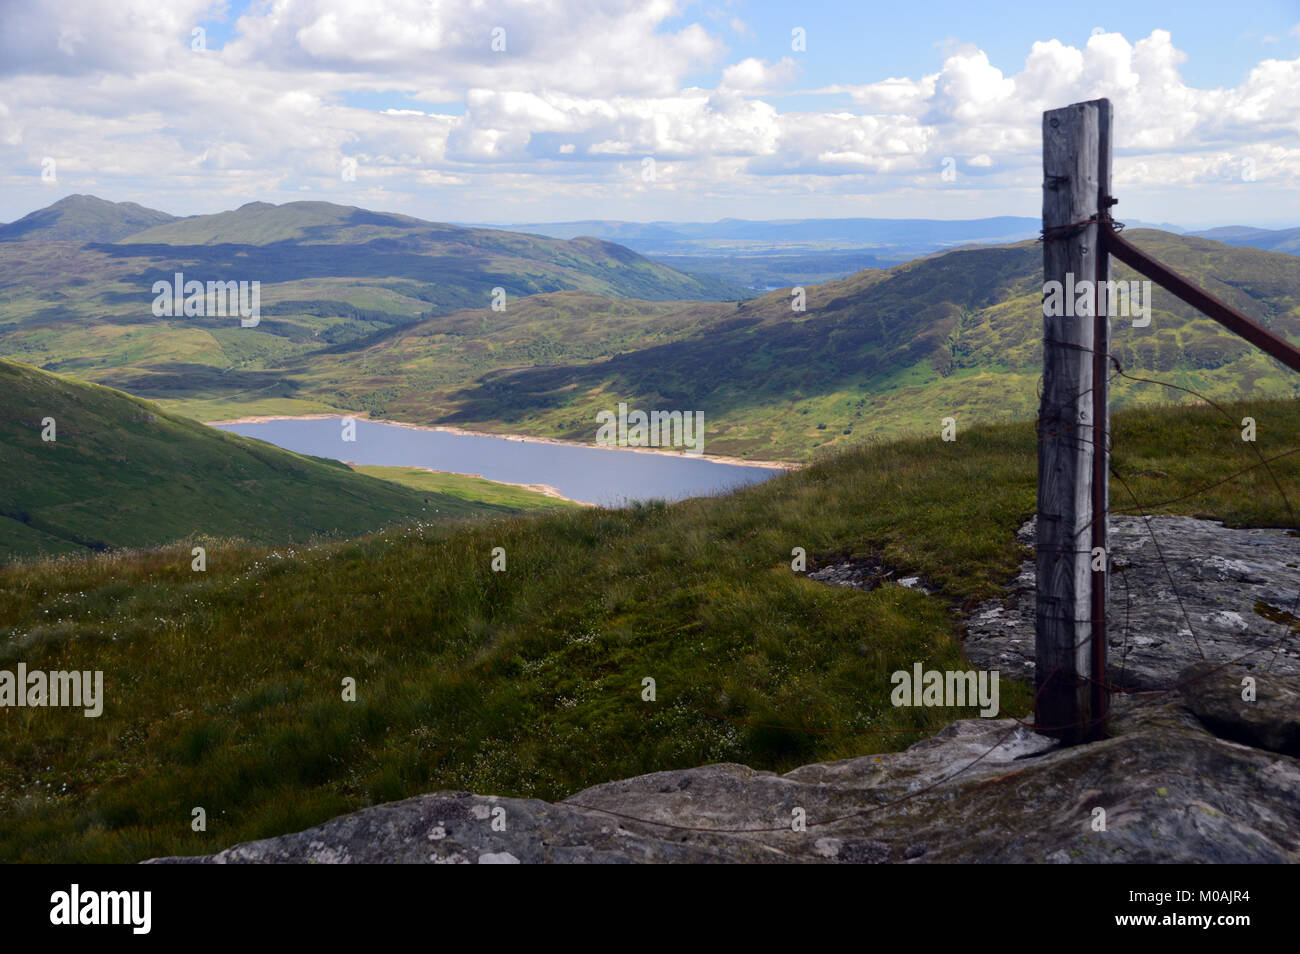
546	490
717	459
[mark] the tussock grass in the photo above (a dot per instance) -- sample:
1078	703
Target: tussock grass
223	689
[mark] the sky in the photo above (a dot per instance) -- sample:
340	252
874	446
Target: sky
513	111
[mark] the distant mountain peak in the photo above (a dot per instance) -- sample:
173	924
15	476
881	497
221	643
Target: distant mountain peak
83	218
1270	240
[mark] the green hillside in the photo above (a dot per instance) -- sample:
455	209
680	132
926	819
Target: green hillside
881	353
876	355
223	690
329	275
121	472
83	218
1273	240
475	490
417	372
261	223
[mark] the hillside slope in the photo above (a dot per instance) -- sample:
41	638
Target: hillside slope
121	472
83	218
876	355
1273	240
328	275
225	691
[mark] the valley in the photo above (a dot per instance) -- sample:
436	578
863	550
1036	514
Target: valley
881	354
366	313
625	433
109	472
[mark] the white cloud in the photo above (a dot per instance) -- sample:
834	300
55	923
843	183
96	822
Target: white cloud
584	46
754	75
569	111
972	107
75	37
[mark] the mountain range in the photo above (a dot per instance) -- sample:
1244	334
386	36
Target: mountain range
882	353
788	234
226	682
1273	240
76	291
772	253
83	218
767	254
389	315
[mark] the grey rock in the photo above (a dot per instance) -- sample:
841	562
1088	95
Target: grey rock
1219	594
1218	697
980	791
865	575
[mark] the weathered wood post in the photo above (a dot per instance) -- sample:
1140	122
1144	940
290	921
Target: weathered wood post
1073	426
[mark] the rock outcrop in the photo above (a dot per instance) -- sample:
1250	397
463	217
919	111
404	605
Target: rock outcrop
1200	767
1181	590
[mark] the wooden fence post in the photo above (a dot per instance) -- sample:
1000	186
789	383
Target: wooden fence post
1073	427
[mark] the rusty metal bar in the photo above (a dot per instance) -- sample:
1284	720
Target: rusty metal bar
1268	342
1100	532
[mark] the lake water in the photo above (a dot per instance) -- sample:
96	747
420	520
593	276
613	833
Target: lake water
596	475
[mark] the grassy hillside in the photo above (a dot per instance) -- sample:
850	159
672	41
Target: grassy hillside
83	218
121	472
886	353
223	691
329	275
416	373
876	355
1273	240
765	272
473	490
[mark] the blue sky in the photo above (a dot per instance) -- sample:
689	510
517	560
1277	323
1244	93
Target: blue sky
561	122
858	42
855	42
